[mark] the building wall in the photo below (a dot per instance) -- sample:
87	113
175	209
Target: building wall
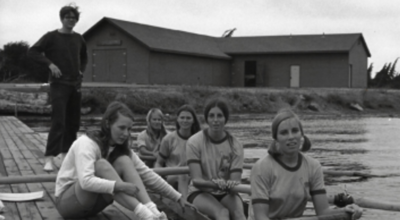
316	70
175	69
358	58
137	55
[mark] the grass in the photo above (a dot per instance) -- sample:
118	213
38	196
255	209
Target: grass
242	100
247	100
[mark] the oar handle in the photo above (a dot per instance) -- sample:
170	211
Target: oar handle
241	188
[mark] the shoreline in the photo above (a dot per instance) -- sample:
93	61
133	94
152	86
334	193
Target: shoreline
304	101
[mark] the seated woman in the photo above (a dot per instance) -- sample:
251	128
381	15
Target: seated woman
283	181
149	140
214	155
172	151
100	168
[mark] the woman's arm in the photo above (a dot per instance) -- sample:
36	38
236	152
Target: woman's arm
260	211
183	183
144	151
321	207
153	181
85	158
160	162
321	204
142	143
195	173
163	153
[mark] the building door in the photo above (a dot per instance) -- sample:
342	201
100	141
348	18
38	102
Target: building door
294	76
109	65
350	75
250	72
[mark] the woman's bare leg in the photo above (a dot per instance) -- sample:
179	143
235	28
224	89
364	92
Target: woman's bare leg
127	171
88	199
235	206
105	170
210	206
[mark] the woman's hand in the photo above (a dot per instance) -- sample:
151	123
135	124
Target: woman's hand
183	203
231	183
128	188
221	183
355	210
155	154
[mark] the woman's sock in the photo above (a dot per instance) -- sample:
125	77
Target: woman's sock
142	212
153	208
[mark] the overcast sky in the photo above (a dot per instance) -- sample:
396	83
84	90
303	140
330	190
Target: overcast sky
377	20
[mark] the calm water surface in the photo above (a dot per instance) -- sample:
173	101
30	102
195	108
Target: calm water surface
367	144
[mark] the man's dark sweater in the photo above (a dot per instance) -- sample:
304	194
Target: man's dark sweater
66	51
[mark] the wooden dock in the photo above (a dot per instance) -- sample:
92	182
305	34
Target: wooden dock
22	153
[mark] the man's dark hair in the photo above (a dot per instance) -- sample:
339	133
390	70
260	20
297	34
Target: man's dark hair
67	9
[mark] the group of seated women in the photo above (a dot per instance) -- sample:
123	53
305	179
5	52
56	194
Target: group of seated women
100	168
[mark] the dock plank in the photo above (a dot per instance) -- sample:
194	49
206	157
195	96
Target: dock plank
22	153
16	166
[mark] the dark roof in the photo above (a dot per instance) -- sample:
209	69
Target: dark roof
324	43
180	42
167	40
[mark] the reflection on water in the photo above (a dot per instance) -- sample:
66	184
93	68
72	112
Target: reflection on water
340	143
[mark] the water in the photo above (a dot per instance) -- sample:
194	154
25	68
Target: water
366	144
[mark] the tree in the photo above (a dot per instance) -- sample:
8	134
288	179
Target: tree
15	64
13	55
386	77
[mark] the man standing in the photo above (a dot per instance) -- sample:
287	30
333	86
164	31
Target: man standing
64	52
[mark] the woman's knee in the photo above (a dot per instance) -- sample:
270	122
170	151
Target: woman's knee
209	205
238	214
234	204
123	163
102	166
223	212
122	160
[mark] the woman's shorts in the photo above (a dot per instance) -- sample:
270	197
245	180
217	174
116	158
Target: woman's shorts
69	207
193	195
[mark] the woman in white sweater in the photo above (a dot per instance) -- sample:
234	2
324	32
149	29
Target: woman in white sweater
100	168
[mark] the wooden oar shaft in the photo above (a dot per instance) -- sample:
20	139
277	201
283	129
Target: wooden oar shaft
362	202
337	216
28	179
147	157
52	177
332	172
368	203
372	204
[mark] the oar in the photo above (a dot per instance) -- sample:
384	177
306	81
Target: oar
362	202
242	188
342	215
336	172
372	204
147	157
52	177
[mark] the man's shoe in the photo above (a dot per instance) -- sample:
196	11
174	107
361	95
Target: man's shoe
48	166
